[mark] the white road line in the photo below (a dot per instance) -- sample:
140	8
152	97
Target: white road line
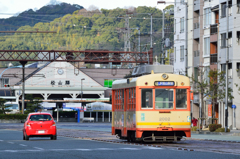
11	150
1	140
22	145
11	142
153	148
83	149
104	149
38	148
129	148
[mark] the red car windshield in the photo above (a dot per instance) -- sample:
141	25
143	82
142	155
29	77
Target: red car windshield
40	117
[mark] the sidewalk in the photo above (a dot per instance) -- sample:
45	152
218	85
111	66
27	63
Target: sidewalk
231	133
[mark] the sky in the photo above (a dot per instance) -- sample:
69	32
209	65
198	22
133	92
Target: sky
9	8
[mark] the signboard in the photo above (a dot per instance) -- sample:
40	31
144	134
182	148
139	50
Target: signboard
72	105
164	83
48	105
209	110
234	106
98	106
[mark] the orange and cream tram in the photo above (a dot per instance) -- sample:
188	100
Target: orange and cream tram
152	107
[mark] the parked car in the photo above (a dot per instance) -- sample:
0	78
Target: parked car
39	124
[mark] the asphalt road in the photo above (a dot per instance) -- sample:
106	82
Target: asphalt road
12	146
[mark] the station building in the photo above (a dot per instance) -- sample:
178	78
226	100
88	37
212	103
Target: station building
60	84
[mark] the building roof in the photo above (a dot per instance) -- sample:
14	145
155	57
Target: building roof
99	74
15	74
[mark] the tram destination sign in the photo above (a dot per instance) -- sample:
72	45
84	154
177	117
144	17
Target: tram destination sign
164	83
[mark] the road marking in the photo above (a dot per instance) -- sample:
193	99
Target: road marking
11	142
104	149
1	140
129	148
22	145
83	149
38	148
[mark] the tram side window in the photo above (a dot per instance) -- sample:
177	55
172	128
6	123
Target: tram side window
147	98
181	98
163	98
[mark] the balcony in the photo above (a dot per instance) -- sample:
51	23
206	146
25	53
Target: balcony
196	5
213	59
213	29
196	98
196	58
196	31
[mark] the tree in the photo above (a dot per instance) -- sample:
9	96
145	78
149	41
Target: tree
33	103
212	88
217	88
3	107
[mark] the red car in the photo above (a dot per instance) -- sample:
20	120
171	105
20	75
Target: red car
39	124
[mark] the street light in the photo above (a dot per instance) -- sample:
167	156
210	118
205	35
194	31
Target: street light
82	95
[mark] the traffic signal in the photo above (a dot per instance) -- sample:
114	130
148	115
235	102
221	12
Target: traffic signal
6	85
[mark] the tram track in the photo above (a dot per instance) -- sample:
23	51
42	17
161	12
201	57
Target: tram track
189	144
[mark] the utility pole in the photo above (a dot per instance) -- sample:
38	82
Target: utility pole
227	59
163	19
127	45
23	84
151	30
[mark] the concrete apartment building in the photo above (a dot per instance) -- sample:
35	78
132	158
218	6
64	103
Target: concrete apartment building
207	47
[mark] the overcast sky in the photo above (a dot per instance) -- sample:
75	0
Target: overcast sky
10	7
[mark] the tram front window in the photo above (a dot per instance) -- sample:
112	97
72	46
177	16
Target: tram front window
163	98
181	98
147	98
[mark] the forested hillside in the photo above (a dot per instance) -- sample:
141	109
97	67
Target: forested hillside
93	30
44	14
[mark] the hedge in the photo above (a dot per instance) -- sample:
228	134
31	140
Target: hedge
213	127
13	116
222	130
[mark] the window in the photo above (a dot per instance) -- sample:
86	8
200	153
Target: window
4	81
238	6
223	40
224	7
207	46
207	16
131	102
182	1
182	25
206	74
181	53
147	98
229	39
181	98
119	99
67	82
40	117
163	98
52	82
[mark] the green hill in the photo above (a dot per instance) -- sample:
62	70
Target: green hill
93	30
44	14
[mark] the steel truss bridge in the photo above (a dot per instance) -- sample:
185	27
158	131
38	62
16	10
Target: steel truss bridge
87	56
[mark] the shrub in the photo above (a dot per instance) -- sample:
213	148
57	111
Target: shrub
13	116
213	127
194	128
222	130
